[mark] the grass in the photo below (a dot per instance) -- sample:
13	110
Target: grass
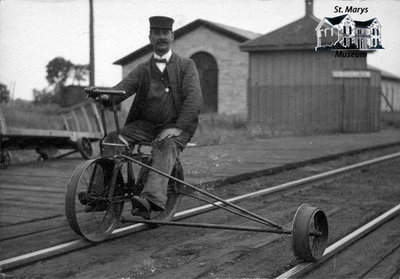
213	128
220	129
390	120
24	114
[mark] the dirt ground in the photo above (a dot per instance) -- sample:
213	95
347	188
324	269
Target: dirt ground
173	252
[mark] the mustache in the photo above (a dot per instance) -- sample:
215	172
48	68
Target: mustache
162	41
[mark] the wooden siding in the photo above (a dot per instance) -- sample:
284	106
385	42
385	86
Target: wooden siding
361	103
295	91
390	95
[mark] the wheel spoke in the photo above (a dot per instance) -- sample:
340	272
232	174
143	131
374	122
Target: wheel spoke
97	217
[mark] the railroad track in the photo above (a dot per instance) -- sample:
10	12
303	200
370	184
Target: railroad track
303	268
25	259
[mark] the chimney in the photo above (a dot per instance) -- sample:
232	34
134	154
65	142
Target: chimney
309	7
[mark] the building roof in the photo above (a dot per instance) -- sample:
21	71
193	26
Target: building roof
299	34
248	35
364	23
385	75
234	33
336	20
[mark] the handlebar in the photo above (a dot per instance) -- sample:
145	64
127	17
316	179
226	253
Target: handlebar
98	95
97	92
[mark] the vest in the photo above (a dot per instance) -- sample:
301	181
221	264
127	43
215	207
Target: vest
159	107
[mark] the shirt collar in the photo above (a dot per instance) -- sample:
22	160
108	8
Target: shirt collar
165	56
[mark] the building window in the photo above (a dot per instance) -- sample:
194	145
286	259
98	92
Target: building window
377	32
373	31
349	29
373	42
344	41
377	42
208	73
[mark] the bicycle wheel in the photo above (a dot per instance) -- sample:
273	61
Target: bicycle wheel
89	210
173	192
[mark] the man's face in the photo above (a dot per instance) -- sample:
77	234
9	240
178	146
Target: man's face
161	40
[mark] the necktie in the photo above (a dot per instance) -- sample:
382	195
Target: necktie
160	60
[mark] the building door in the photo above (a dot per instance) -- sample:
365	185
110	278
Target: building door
208	72
360	106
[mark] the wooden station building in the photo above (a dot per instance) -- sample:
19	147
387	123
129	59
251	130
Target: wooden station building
294	88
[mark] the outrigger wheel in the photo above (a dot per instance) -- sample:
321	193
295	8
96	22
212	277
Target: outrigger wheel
5	158
85	147
309	233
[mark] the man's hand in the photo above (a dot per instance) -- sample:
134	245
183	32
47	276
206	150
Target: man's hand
89	91
167	133
103	98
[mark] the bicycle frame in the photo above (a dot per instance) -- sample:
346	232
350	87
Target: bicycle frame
131	158
118	130
309	228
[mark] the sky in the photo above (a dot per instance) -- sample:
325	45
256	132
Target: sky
33	32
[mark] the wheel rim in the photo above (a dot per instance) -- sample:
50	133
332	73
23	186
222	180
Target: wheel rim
173	192
85	148
309	233
93	179
173	200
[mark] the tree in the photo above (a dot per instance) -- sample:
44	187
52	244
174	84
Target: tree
44	97
81	73
4	94
58	71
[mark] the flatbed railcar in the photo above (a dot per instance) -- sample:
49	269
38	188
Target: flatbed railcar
78	135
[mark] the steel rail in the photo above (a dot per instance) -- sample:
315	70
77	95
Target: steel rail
303	268
81	243
295	183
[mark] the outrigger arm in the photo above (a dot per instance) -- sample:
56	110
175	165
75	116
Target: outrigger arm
248	214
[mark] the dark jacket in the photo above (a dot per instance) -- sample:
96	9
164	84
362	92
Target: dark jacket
184	85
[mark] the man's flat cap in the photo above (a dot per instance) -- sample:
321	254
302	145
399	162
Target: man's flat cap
162	22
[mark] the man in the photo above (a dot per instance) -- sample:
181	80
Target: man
165	111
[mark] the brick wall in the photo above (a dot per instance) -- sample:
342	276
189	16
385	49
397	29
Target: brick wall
232	66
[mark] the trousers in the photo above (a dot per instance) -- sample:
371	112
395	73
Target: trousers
164	154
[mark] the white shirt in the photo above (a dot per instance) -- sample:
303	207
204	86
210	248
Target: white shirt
166	56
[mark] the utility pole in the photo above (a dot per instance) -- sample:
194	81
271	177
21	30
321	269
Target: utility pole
91	41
